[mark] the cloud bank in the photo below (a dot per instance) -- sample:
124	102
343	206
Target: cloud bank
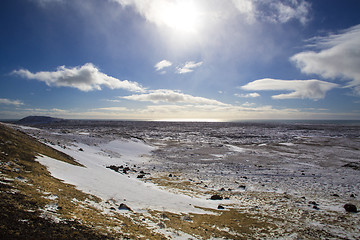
188	67
85	78
170	96
11	102
339	56
311	89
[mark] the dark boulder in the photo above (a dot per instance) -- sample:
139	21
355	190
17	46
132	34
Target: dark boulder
123	206
221	207
350	208
216	197
114	168
353	165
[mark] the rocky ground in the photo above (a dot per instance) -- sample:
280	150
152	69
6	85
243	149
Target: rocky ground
269	182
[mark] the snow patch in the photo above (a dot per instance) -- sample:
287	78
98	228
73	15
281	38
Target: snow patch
98	180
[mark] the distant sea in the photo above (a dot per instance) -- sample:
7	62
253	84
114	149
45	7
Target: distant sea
307	122
268	121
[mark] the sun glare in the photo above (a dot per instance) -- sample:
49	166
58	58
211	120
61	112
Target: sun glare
181	16
187	120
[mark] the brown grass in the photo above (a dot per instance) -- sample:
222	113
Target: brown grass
25	187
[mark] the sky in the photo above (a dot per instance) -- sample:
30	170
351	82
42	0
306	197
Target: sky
210	60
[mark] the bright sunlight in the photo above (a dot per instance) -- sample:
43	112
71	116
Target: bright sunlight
181	16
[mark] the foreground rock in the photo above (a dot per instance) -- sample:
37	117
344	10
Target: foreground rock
350	208
216	197
123	206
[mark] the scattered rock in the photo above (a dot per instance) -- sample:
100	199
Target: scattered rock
186	218
114	168
170	175
350	208
141	176
316	207
222	189
221	207
81	150
21	179
335	195
161	225
353	165
216	197
123	206
352	195
243	187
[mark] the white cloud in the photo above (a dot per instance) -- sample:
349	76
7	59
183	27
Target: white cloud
11	102
247	104
170	96
339	56
162	64
291	9
115	109
249	95
85	78
184	111
172	13
312	89
246	7
188	67
274	11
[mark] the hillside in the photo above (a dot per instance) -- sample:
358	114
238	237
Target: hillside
38	120
35	205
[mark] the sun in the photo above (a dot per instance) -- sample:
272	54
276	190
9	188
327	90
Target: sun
183	16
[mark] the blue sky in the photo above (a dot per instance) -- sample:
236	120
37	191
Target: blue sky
180	59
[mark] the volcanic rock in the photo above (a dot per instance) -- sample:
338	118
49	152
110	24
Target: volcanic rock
216	197
350	208
123	206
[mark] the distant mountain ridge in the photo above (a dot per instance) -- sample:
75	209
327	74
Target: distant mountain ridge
36	120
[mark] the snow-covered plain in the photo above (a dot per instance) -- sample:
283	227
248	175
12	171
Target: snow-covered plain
296	172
